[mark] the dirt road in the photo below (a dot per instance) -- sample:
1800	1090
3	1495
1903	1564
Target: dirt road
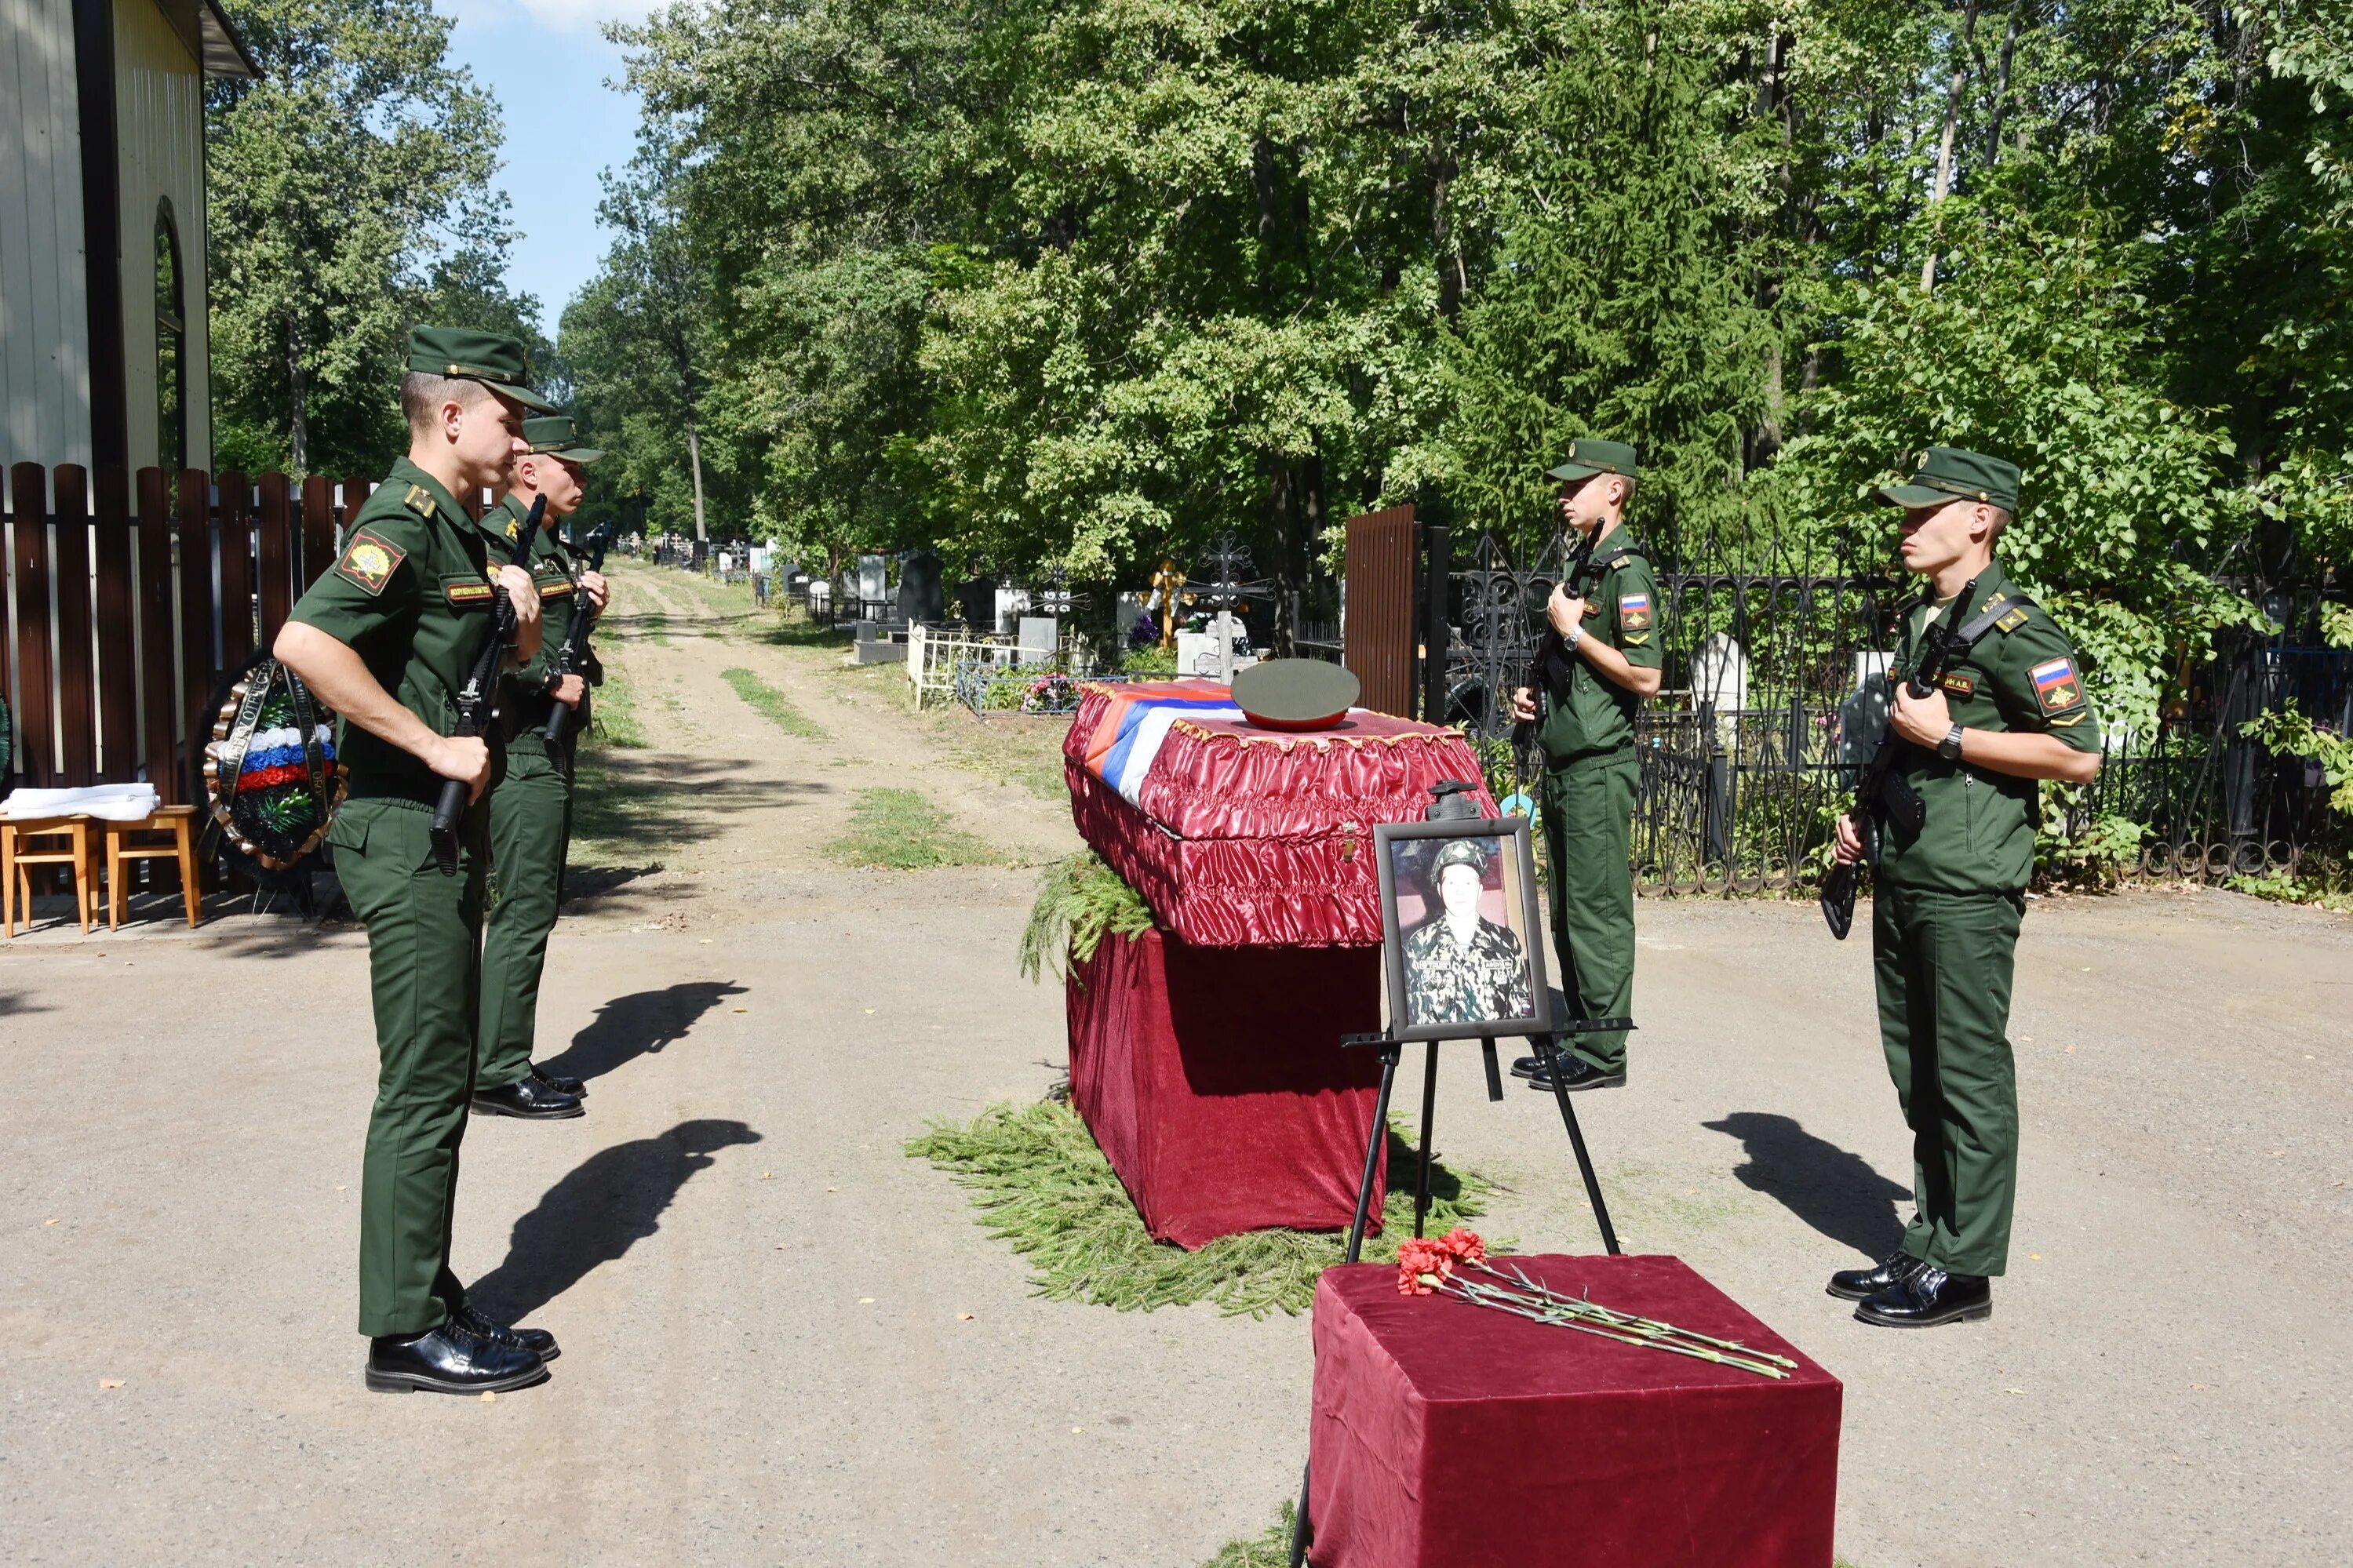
786	1342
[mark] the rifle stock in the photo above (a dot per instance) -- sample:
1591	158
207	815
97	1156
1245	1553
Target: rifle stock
474	701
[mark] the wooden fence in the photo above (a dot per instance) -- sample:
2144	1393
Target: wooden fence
128	595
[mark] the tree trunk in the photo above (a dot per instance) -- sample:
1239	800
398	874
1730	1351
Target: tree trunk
694	461
1945	148
1450	268
2001	86
298	405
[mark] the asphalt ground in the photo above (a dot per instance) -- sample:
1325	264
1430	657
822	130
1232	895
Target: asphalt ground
786	1342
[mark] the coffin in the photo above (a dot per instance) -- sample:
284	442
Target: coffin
1243	837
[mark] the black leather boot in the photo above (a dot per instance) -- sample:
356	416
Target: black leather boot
529	1098
452	1359
1578	1073
1926	1297
538	1341
560	1082
1863	1284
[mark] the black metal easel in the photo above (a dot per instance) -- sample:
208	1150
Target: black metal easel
1548	1047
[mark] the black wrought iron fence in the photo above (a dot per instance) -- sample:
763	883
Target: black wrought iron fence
1743	774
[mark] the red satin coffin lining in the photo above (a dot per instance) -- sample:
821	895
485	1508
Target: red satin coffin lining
1252	837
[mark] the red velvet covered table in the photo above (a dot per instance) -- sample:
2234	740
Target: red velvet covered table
1214	1081
1450	1436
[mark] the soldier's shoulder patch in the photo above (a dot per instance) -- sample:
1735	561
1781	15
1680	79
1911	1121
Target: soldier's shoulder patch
1635	639
1633	611
514	528
1960	685
2072	720
2057	686
419	501
368	562
555	587
467	592
2011	622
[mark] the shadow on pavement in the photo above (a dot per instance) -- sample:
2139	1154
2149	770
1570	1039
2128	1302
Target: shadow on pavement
613	1200
630	1027
1837	1192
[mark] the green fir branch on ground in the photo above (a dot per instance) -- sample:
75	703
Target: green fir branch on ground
773	703
1271	1548
899	830
1080	899
1042	1184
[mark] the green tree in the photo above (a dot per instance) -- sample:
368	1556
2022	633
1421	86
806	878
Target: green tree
338	181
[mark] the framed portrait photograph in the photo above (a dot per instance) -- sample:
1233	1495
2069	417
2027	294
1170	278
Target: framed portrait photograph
1460	935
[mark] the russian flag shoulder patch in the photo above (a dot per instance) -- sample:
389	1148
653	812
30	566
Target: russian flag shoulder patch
2057	686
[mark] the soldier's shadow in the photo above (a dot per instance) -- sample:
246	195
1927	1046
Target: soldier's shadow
607	1204
1836	1191
642	1023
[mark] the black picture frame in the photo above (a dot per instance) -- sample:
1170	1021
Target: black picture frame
1516	855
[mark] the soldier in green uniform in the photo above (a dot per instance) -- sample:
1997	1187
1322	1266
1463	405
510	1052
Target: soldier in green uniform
387	636
532	808
1946	900
1587	709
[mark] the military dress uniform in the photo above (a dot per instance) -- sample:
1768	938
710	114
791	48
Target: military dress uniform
530	820
1451	981
412	595
1947	900
1591	772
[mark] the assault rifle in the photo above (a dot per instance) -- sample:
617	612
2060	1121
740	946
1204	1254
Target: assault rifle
571	658
474	702
1883	792
1552	649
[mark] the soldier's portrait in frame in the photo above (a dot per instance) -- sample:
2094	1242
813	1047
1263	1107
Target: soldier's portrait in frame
1460	937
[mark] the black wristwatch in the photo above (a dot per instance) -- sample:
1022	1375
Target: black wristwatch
1949	748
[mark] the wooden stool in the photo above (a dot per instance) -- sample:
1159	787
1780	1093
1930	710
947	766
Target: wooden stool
179	823
18	853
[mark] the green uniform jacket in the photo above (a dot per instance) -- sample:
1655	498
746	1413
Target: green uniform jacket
1588	715
411	595
2020	675
525	697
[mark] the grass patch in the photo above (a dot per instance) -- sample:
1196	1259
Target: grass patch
772	702
1271	1548
1041	1184
613	714
899	830
655	625
791	628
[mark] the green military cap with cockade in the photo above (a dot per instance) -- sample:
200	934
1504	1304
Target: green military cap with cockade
558	435
1588	456
1952	473
497	361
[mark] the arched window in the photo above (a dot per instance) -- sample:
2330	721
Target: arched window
170	347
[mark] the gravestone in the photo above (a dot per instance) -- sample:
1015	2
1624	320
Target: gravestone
1037	642
920	595
1012	603
978	602
872	586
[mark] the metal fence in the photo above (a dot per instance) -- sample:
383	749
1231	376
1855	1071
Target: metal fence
1743	773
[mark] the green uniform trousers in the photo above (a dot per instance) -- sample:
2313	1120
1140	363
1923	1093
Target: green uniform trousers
423	932
1588	826
1942	963
529	816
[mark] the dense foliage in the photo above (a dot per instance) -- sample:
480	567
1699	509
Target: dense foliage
348	197
1074	283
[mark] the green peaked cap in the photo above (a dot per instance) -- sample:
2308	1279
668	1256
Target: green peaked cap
1588	458
558	435
1952	473
494	359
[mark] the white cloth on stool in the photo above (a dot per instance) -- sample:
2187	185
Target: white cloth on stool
115	802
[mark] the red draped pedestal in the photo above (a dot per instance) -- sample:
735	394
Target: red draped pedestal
1450	1436
1214	1081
